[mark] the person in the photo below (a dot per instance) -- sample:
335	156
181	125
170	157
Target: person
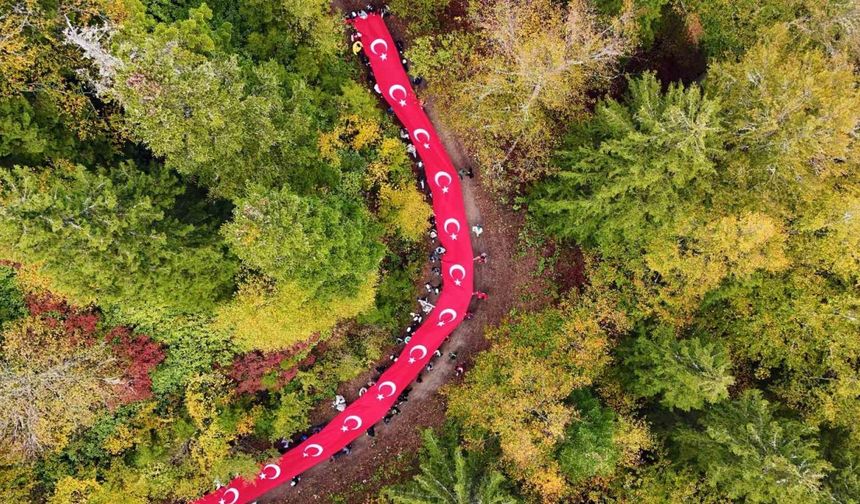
371	431
412	150
392	358
436	271
356	47
416	317
437	353
477	229
355	36
387	419
481	295
295	481
429	366
376	88
362	391
452	356
481	259
404	135
434	258
283	445
395	410
433	234
440	250
405	64
428	287
425	305
468	316
458	371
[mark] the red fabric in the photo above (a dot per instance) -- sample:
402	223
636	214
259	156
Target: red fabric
457	268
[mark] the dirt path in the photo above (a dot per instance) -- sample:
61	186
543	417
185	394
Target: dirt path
390	456
357	477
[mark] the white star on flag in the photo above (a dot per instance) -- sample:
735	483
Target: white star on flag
402	103
427	146
380	397
411	360
457	282
383	56
445	190
344	428
441	323
222	501
454	236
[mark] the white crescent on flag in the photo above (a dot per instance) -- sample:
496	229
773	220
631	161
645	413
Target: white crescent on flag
446	311
350	419
442	175
315	448
395	88
377	42
234	498
386	385
461	269
277	474
422	349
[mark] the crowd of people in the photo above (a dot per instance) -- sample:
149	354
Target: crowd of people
433	287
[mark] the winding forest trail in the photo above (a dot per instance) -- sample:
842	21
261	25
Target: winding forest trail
507	277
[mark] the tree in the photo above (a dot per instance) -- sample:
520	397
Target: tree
748	452
448	476
531	66
688	373
635	167
518	388
588	448
317	258
212	116
52	386
109	236
327	244
792	125
11	298
731	27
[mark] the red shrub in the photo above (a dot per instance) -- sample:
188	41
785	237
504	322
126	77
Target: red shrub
138	356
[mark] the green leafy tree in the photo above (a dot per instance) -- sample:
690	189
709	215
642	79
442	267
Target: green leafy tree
730	26
211	117
326	243
450	476
637	166
108	236
748	452
689	373
589	448
792	112
317	259
11	297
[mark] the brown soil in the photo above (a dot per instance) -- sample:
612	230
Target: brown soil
508	277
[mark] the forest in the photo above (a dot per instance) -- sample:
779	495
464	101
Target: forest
211	228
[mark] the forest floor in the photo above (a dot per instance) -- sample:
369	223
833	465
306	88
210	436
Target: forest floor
511	280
